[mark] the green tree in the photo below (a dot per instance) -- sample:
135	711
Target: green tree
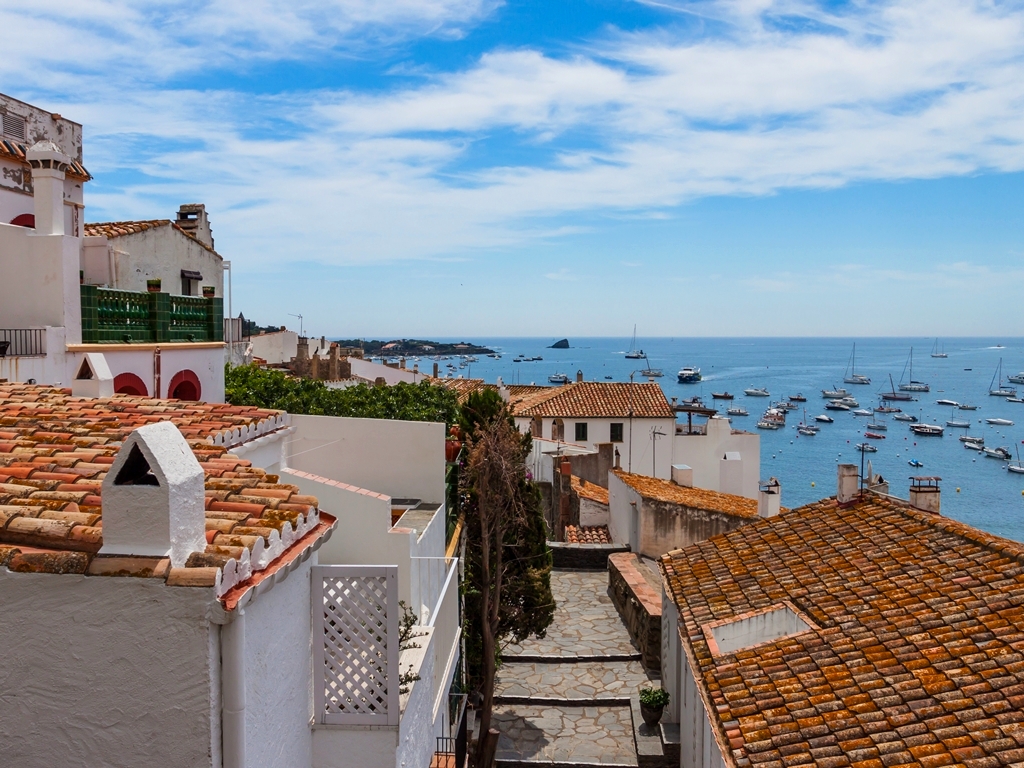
508	563
255	386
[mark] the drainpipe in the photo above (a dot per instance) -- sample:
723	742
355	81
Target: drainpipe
232	682
231	319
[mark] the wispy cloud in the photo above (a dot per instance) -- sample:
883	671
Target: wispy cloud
562	274
774	94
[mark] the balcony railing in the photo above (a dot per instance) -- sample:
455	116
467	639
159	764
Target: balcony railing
22	342
111	315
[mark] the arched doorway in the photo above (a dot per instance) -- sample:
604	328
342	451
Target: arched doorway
537	427
130	384
24	220
558	430
184	386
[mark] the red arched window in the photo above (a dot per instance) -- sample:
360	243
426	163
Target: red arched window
184	386
130	384
24	220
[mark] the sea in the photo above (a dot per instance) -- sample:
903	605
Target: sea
976	490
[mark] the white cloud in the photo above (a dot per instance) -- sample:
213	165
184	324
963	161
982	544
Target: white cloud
631	123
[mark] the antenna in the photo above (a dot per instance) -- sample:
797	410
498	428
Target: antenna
301	333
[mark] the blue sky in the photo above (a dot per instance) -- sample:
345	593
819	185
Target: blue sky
460	167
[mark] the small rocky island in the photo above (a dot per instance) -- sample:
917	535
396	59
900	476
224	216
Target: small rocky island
561	344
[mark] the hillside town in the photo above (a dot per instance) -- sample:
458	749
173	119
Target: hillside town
507	576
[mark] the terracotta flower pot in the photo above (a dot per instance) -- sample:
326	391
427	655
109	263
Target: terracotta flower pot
153	286
651	715
209	291
451	450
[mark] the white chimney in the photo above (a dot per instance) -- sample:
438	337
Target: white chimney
730	472
153	497
48	167
847	489
93	378
925	494
769	498
682	475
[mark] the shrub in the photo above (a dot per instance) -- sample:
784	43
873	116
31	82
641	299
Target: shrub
655	698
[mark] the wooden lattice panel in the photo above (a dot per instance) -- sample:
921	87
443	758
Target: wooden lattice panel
356	609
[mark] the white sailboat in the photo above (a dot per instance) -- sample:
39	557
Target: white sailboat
911	385
634	353
937	352
998	389
851	376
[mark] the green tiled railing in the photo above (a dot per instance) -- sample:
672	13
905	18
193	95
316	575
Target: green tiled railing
110	315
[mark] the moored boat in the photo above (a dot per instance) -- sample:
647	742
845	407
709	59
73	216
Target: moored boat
835	405
996	388
851	376
737	410
966	407
866	448
558	378
953	403
722	395
912	385
1003	454
927	430
999	422
797	398
835	393
1017	378
756	392
874	436
905	417
824	418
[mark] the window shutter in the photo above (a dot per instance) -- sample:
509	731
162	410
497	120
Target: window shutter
14	127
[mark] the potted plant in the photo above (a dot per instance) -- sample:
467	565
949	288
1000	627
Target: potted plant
153	286
652	703
209	291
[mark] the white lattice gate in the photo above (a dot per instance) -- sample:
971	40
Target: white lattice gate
355	653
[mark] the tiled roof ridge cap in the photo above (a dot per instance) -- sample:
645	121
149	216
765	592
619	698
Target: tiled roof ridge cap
149	223
746	502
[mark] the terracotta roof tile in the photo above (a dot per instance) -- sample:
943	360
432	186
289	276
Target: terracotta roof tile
915	647
587	534
597	399
14	150
695	498
50	492
586	490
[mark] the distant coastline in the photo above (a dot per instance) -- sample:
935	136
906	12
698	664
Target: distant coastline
409	347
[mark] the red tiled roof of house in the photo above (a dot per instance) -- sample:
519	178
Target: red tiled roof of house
55	451
597	399
916	656
694	498
587	534
112	229
14	150
463	388
591	491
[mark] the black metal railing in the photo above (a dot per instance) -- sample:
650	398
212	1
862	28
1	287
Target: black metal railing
22	342
454	744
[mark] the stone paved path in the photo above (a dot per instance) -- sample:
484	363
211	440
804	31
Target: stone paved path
585	658
567	735
586	623
581	681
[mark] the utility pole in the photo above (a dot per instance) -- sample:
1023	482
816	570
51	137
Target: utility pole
655	434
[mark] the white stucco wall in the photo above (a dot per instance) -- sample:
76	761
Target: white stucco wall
403	459
624	505
368	370
593	513
703	453
698	746
365	747
38	273
277	347
162	252
104	671
278	690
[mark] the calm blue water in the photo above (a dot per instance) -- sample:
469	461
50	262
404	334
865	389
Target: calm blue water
975	489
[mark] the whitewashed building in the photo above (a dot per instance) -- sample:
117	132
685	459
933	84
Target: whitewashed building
185	599
65	295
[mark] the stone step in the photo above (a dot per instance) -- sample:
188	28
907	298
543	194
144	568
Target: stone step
608	683
565	736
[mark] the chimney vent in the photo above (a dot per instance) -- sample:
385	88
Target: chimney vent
579	375
193	219
769	498
153	497
847	486
93	378
925	494
682	475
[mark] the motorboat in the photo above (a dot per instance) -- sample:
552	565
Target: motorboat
558	378
927	430
766	424
912	385
866	448
824	418
861	412
722	395
756	392
953	403
634	353
1017	378
996	388
785	405
1015	399
835	393
937	351
874	436
999	422
797	398
835	405
974	446
737	410
609	378
805	430
849	401
915	463
851	376
887	409
878	426
966	407
689	375
1003	454
905	417
972	439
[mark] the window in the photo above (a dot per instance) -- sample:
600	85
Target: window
616	436
581	430
187	287
190	282
14	127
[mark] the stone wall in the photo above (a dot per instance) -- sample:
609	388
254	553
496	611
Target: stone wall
638	604
594	467
584	557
